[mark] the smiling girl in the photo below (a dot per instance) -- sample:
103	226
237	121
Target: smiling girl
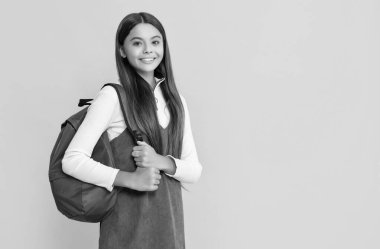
148	212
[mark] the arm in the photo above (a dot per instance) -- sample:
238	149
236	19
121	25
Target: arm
77	160
188	167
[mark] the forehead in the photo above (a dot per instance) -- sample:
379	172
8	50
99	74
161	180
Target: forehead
144	30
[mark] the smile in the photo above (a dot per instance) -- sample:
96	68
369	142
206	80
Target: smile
148	60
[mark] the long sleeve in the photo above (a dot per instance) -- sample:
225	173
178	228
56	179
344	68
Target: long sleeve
188	166
77	160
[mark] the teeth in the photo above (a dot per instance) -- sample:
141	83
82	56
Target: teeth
150	59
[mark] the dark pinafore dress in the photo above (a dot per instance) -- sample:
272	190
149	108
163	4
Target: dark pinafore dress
143	220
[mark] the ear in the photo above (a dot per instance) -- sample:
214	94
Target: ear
122	52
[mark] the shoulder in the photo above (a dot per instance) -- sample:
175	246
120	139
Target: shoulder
108	92
106	99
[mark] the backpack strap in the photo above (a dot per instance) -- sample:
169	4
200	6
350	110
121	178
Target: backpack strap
123	104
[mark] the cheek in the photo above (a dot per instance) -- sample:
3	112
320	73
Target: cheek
132	57
131	54
160	51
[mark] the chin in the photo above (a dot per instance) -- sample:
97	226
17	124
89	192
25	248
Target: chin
148	69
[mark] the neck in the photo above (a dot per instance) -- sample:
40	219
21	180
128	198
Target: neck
149	77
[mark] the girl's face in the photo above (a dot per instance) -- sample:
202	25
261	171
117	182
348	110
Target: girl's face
144	48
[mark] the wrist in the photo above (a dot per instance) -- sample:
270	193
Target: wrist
168	165
124	179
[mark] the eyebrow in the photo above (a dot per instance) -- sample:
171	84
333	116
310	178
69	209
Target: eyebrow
136	37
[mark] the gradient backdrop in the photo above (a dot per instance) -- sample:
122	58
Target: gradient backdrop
285	108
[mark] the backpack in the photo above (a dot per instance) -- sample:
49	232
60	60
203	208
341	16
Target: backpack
75	199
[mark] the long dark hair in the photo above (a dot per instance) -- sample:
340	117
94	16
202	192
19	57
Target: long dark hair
141	102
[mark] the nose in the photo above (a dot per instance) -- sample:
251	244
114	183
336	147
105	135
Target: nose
147	49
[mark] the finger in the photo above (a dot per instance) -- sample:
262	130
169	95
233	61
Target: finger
153	170
141	143
158	176
157	171
138	148
156	182
137	159
138	154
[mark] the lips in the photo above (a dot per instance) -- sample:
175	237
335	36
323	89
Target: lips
148	60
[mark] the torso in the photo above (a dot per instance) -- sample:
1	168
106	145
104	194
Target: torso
143	220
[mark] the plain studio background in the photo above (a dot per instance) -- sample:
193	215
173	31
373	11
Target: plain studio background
284	101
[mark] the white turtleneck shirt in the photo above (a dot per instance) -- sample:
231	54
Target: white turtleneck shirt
104	114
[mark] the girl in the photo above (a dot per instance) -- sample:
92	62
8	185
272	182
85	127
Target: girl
148	212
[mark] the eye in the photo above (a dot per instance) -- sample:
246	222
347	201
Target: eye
136	43
156	42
